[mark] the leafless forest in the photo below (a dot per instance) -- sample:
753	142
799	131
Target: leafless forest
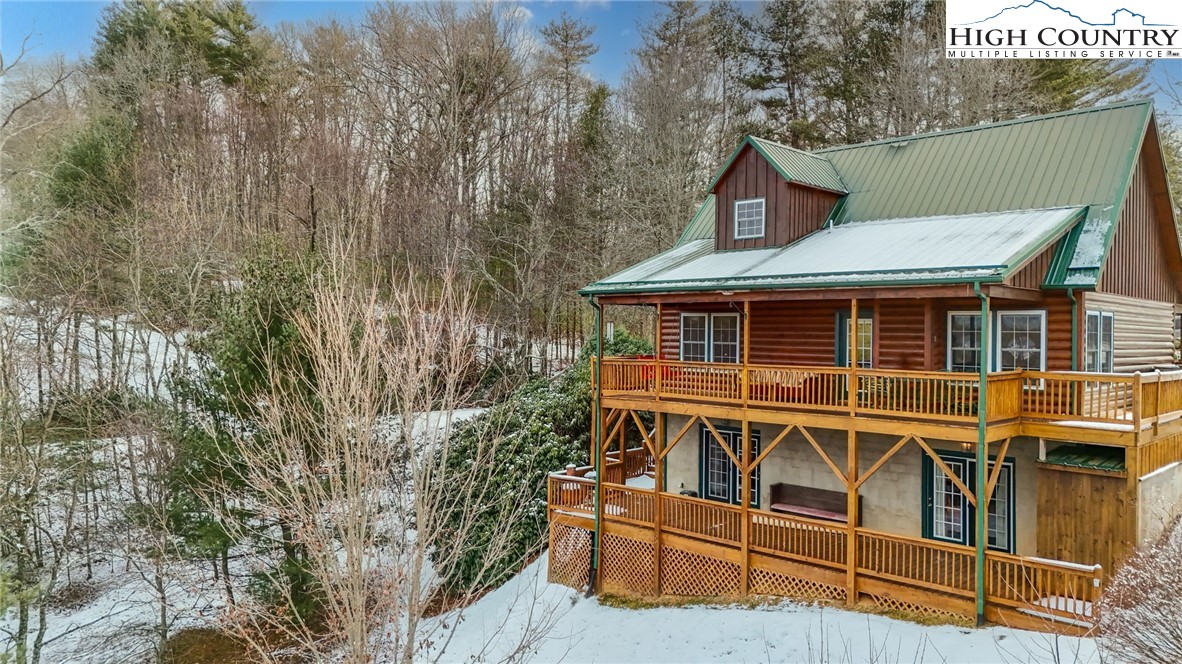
413	200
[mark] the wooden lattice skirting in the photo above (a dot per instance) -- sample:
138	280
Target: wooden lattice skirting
570	555
627	566
768	582
695	575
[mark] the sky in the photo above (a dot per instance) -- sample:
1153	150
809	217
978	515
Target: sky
69	26
65	26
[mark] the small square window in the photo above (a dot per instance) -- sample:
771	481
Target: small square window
749	219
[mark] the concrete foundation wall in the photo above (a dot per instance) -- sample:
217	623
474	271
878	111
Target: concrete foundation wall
1159	501
892	500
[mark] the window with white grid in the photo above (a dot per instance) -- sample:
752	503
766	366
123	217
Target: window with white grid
1020	340
749	219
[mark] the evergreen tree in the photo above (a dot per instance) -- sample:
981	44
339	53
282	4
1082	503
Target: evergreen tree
786	53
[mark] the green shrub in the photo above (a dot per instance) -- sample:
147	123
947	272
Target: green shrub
544	425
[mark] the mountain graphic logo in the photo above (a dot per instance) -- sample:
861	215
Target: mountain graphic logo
1035	4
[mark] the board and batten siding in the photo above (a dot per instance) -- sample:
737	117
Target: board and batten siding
791	210
1100	534
1139	261
1142	330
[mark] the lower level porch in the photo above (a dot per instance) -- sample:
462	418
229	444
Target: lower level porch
655	543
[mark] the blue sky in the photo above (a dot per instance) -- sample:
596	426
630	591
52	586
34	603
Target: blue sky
69	26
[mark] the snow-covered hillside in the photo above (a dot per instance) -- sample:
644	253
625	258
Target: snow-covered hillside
580	629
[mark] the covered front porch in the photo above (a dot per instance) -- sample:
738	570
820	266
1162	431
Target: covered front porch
659	541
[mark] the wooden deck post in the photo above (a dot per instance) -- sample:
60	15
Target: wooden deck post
658	509
745	509
851	542
746	352
851	340
657	354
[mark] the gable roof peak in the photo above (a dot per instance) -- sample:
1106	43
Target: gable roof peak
792	164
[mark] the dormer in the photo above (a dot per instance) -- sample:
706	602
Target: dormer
769	195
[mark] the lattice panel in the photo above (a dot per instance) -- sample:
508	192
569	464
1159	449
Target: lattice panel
627	566
895	604
767	582
694	575
570	555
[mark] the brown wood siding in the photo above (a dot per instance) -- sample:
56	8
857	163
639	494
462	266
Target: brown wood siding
1058	309
1142	334
1035	272
1083	518
802	332
1138	263
900	328
791	210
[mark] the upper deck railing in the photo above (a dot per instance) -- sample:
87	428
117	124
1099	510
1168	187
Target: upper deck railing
1124	400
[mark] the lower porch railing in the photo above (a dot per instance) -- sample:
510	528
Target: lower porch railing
891	570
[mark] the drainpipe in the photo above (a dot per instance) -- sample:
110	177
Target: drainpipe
1074	329
597	443
982	454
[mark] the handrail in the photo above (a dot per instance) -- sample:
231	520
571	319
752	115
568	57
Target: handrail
1047	396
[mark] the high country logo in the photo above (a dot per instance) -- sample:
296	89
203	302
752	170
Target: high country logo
1064	29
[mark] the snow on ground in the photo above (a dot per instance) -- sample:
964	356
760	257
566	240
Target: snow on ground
582	629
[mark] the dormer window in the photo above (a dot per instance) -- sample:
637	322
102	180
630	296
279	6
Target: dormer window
749	219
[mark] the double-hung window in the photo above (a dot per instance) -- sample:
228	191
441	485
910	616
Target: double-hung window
749	219
1098	341
964	342
1019	341
710	337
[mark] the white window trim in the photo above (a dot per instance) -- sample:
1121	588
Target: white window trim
995	335
992	359
1011	495
1101	315
681	335
735	219
738	337
710	317
948	338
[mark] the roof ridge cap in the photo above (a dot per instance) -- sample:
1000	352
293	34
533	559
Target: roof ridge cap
788	147
1147	101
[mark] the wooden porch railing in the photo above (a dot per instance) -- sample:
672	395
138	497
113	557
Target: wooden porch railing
936	395
701	518
798	538
1055	588
624	503
923	563
1035	586
571	493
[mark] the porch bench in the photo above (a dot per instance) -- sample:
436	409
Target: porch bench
812	503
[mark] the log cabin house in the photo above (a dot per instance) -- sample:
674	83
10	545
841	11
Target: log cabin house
859	346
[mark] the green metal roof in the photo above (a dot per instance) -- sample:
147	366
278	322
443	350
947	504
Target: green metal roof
792	164
701	227
1075	158
982	247
1093	457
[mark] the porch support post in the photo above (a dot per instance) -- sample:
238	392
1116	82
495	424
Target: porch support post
745	509
851	340
599	444
982	506
851	542
657	355
746	352
658	508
